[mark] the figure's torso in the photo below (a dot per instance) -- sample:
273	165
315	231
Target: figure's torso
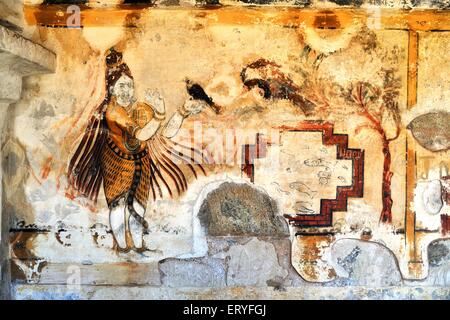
122	125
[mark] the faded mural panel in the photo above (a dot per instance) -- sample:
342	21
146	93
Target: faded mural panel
201	148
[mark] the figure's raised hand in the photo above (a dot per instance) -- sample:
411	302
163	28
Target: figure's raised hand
192	107
156	101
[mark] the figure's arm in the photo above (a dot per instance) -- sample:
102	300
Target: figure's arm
121	118
149	130
190	107
173	126
159	111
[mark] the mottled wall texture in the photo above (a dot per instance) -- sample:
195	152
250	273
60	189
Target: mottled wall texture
289	150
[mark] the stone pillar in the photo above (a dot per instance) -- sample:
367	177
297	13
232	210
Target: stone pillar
19	58
4	267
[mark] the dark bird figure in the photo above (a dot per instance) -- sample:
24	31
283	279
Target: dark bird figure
198	93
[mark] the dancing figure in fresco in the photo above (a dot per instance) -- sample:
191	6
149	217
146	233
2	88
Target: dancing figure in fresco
126	147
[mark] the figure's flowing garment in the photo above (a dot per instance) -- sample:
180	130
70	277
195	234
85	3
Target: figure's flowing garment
130	169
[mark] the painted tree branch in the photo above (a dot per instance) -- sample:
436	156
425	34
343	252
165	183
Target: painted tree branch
361	97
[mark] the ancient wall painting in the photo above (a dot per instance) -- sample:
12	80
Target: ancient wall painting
183	129
124	150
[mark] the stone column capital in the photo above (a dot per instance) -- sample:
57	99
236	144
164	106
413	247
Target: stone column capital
20	57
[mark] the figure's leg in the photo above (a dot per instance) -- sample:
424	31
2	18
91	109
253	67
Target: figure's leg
117	222
135	227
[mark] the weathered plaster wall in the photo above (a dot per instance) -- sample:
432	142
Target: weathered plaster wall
4	232
226	236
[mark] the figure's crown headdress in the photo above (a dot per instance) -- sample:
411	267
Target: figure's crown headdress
115	67
114	58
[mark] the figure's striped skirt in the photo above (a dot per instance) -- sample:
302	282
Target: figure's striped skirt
162	167
119	172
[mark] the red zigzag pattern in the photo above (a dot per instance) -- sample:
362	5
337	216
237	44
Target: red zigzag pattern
328	206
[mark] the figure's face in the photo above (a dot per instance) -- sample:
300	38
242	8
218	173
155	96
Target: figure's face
124	90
